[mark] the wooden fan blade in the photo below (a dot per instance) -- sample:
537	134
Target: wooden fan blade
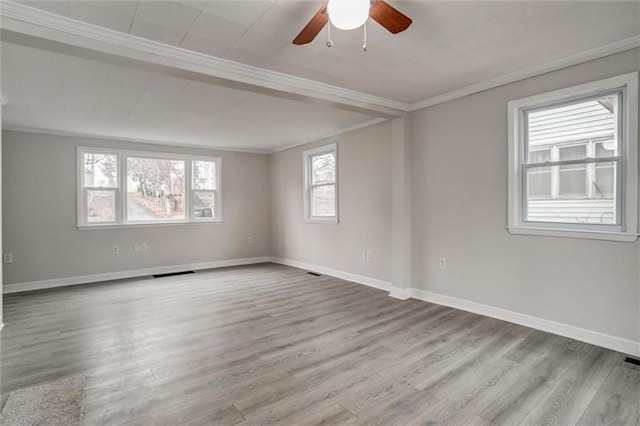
314	26
389	17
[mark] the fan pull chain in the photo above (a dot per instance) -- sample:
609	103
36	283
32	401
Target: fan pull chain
364	46
329	42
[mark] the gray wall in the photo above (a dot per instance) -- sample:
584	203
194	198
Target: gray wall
39	214
1	178
364	190
459	212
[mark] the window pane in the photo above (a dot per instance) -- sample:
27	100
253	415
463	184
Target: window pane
586	211
568	209
539	182
155	189
100	170
580	121
539	156
606	149
101	206
576	152
203	204
204	175
323	200
573	181
604	185
323	169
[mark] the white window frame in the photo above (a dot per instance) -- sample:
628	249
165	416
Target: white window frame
121	190
627	196
83	191
307	157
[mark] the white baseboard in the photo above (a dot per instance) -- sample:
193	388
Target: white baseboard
593	337
400	293
347	276
85	279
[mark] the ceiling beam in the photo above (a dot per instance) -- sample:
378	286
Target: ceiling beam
28	26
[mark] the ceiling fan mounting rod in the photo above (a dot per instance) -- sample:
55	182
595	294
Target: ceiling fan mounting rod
364	46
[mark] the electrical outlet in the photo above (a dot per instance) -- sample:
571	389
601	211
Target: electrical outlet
143	247
368	256
8	258
364	255
442	263
116	249
250	240
136	248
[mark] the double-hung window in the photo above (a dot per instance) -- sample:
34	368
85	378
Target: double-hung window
321	184
100	189
573	161
119	187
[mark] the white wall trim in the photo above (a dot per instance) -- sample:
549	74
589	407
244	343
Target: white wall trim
108	276
589	336
108	138
347	276
400	293
579	58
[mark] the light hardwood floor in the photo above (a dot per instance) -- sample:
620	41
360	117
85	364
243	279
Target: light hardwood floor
271	344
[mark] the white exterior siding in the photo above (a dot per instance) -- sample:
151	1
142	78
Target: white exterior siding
592	211
572	123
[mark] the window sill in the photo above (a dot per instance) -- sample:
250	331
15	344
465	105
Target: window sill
574	233
331	221
145	225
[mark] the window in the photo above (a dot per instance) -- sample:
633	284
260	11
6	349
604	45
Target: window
119	187
321	191
573	161
100	189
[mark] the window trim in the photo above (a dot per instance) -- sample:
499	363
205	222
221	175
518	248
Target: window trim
306	157
121	193
628	196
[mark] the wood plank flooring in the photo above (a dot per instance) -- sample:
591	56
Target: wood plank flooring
269	344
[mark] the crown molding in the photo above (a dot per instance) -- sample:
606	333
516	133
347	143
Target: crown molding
579	58
42	29
64	133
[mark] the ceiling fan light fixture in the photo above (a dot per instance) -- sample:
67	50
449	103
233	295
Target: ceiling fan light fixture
348	14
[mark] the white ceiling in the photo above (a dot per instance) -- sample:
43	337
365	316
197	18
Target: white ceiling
451	45
74	95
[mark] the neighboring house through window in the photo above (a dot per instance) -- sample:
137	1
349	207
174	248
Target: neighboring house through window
573	161
321	184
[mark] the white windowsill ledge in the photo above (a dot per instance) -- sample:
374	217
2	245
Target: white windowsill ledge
145	225
331	221
572	233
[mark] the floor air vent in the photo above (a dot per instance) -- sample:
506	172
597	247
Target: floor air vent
315	274
171	274
632	360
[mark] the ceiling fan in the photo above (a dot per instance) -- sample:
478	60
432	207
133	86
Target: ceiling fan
350	14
